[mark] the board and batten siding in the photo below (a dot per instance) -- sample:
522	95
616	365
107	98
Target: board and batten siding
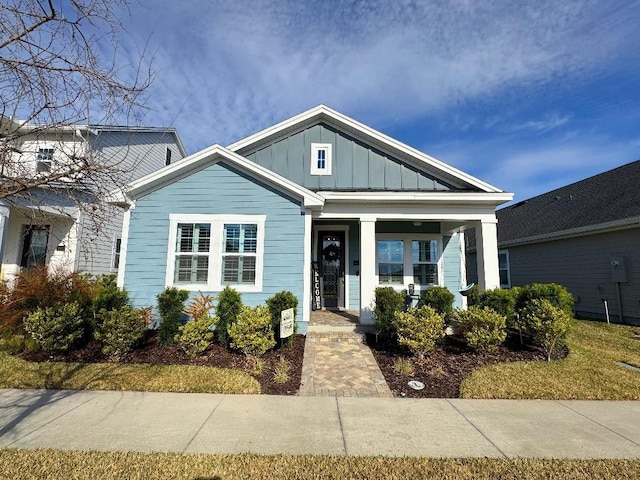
355	166
216	189
583	265
451	267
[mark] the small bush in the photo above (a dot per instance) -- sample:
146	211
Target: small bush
228	309
547	324
252	333
56	329
419	329
502	301
12	344
483	328
255	365
170	306
556	294
277	303
281	372
195	336
388	303
121	329
403	366
107	295
440	298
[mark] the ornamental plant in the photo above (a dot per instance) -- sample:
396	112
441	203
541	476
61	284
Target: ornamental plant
440	298
195	336
482	328
252	333
556	294
120	330
170	306
276	304
58	328
547	324
388	303
419	329
227	311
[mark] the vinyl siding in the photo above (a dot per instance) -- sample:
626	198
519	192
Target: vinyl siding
451	265
216	189
355	166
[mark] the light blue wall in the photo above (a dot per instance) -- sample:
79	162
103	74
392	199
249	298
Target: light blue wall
355	165
216	189
451	267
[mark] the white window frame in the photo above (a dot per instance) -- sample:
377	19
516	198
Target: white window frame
508	269
214	274
318	147
407	239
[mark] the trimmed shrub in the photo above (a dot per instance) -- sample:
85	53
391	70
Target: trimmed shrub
195	336
276	304
121	329
388	303
56	329
558	295
482	328
419	329
502	301
547	324
439	298
107	295
252	333
170	306
227	311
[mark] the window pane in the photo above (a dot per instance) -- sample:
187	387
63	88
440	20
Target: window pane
424	251
191	269
193	237
204	237
390	251
248	270
425	274
504	277
250	241
502	259
185	237
231	238
391	273
230	268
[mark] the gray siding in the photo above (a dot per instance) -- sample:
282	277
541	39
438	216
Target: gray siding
582	264
451	267
356	166
216	189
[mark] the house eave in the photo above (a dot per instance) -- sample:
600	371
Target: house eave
445	197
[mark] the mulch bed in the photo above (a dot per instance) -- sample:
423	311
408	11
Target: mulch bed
446	366
215	356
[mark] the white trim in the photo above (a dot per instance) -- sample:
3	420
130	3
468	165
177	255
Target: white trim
322	113
214	282
447	196
126	221
337	228
306	269
368	280
315	148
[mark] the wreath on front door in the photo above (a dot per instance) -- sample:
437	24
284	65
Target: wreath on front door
331	252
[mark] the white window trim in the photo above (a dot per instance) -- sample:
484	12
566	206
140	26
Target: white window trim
315	147
214	280
508	284
407	238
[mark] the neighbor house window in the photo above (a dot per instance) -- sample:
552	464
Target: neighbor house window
212	251
503	268
391	262
116	253
44	158
424	257
321	159
167	158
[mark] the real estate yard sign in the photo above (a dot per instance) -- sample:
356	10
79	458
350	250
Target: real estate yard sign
286	323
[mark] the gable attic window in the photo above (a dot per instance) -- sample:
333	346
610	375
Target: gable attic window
321	159
167	158
44	158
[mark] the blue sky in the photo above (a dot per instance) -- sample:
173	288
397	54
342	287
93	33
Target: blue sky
528	96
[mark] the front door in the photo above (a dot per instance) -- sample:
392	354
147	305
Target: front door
331	260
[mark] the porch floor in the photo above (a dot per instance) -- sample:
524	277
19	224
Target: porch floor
337	362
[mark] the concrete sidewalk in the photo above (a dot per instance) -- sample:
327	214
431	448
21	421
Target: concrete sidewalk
205	423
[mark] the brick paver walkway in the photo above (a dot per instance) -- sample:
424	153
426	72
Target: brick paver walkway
337	362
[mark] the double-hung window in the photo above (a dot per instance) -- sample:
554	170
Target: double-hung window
208	252
408	258
390	262
424	257
44	159
321	159
503	269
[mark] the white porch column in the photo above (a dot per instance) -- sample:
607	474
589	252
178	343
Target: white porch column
487	255
124	241
4	229
306	293
367	268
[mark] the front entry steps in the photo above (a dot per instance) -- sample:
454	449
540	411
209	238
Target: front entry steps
337	362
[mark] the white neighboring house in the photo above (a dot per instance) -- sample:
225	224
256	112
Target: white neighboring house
64	224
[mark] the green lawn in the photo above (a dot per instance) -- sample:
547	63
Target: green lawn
588	373
37	464
16	373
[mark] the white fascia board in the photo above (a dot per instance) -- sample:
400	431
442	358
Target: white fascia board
632	222
339	120
488	198
409	212
214	154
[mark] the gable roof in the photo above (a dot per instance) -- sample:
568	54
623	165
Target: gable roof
210	156
608	200
324	114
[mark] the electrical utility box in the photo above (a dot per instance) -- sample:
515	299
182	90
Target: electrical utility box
619	270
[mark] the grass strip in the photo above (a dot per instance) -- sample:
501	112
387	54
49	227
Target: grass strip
588	373
71	465
17	373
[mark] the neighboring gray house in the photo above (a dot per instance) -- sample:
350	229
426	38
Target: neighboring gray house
319	198
64	225
585	236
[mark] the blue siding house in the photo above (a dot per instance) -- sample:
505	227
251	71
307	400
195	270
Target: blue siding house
318	196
